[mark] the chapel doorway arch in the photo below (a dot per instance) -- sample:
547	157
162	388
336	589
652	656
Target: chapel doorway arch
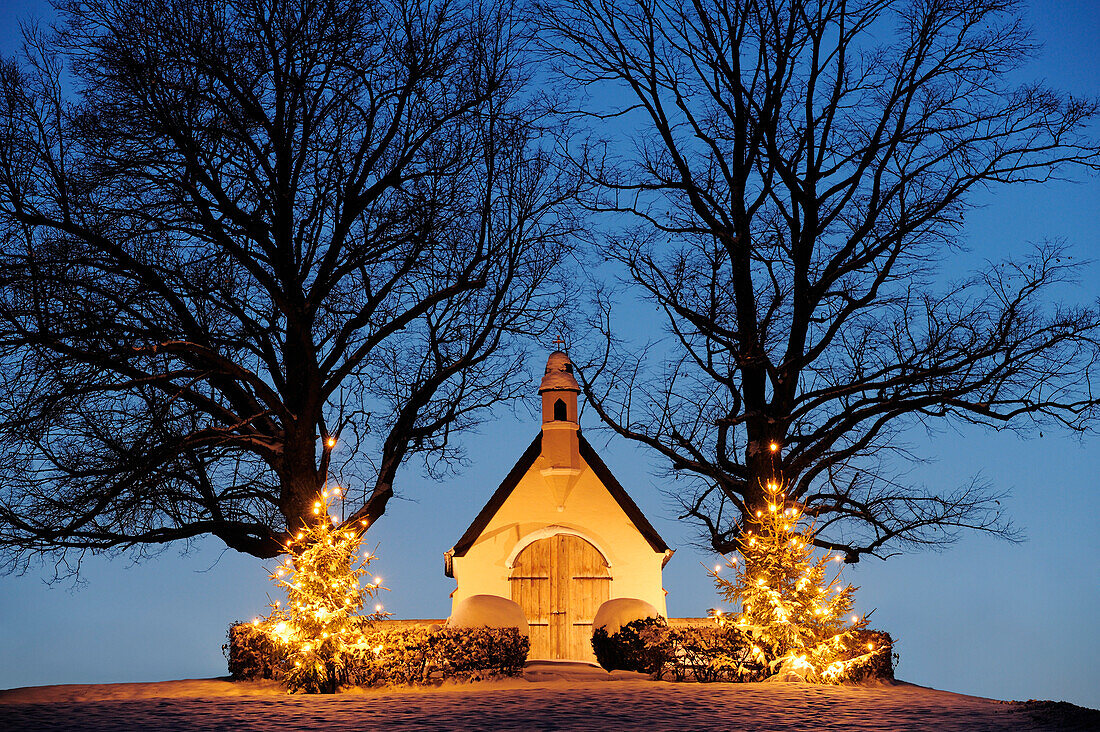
560	581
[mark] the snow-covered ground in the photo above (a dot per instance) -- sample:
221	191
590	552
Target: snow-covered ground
550	697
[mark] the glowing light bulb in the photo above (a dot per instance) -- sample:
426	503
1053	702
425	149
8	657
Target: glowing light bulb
378	607
330	442
773	446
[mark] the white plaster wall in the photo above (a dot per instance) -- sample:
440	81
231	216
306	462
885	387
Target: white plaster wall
588	511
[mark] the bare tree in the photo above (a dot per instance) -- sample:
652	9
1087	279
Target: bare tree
241	238
798	172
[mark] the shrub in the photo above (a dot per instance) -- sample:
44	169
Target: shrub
640	645
712	653
392	655
878	658
703	653
251	652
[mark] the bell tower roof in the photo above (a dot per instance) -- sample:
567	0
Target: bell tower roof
559	374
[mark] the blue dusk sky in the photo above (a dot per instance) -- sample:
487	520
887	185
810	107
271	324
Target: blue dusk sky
983	617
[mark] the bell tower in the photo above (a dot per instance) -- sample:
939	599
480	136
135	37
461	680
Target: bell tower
560	440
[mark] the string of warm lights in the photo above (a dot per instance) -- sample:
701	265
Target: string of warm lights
797	612
323	575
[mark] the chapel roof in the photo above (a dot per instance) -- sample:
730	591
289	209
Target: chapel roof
602	472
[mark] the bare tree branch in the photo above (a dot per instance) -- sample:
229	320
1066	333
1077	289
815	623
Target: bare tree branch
795	173
233	230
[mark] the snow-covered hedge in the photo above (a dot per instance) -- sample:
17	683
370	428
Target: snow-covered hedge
708	653
418	655
881	665
701	653
393	655
636	646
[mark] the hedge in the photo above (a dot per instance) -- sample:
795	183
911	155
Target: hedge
707	653
392	655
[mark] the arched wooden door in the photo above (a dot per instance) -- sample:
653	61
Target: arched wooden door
560	582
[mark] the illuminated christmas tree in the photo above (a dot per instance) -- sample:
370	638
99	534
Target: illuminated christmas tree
799	619
323	576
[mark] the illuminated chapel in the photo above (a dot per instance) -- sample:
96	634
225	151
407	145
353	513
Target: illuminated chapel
560	536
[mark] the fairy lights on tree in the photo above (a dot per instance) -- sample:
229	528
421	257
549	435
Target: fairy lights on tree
795	608
327	583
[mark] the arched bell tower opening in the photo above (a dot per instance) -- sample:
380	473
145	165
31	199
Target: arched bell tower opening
560	411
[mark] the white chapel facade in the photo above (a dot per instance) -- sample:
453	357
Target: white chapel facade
560	536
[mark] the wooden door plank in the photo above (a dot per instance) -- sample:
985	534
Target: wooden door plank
530	581
559	598
589	587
